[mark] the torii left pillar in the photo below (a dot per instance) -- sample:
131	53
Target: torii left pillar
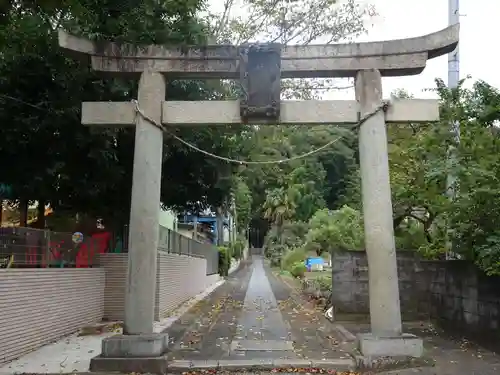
139	342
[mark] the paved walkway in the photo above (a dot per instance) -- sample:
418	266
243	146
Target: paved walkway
261	329
252	316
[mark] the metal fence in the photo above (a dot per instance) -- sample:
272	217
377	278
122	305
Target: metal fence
22	247
175	243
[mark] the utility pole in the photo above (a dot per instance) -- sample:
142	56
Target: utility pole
453	79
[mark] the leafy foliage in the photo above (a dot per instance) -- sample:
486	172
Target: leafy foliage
330	231
298	270
49	156
224	260
425	218
297	255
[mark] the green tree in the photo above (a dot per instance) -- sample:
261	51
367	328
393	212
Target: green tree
330	231
48	155
279	207
243	204
424	217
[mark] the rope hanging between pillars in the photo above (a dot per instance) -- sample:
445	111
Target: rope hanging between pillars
384	106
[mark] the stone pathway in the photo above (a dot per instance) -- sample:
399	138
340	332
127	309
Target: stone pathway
253	317
261	330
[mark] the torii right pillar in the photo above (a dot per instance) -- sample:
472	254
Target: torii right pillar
386	337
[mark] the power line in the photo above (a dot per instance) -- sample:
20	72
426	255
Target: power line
25	103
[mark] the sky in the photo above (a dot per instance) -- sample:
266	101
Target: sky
410	18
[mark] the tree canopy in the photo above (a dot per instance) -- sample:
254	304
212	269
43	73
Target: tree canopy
47	155
426	220
311	203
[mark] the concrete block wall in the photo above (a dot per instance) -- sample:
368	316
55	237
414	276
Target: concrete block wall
456	294
350	284
40	305
179	278
463	300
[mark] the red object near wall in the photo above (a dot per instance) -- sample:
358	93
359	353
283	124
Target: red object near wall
97	243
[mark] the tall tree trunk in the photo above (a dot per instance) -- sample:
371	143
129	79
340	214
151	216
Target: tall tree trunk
23	213
40	214
220	227
1	212
279	229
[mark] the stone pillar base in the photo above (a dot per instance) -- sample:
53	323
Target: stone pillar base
406	345
132	353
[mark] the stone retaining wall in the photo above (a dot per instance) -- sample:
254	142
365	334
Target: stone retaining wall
456	294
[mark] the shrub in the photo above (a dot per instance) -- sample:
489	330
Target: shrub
292	257
224	260
323	283
298	270
237	247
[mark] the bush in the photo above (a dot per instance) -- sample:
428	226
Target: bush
224	260
292	257
318	288
298	270
237	247
324	283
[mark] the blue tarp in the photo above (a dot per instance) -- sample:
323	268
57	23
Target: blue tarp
310	261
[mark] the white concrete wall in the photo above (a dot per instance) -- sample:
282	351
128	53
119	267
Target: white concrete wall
179	278
41	305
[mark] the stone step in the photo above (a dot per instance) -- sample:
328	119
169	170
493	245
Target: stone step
262	345
261	364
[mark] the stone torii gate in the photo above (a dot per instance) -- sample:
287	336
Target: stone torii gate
260	67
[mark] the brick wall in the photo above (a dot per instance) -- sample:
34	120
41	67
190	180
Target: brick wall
179	278
40	305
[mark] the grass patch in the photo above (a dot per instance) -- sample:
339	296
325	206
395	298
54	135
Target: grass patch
313	275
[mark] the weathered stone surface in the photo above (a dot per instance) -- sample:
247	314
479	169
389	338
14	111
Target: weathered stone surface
405	345
390	66
436	44
144	210
350	284
262	345
134	346
341	112
305	112
109	114
385	314
392	58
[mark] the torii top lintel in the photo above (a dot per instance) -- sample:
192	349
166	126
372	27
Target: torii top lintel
393	57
